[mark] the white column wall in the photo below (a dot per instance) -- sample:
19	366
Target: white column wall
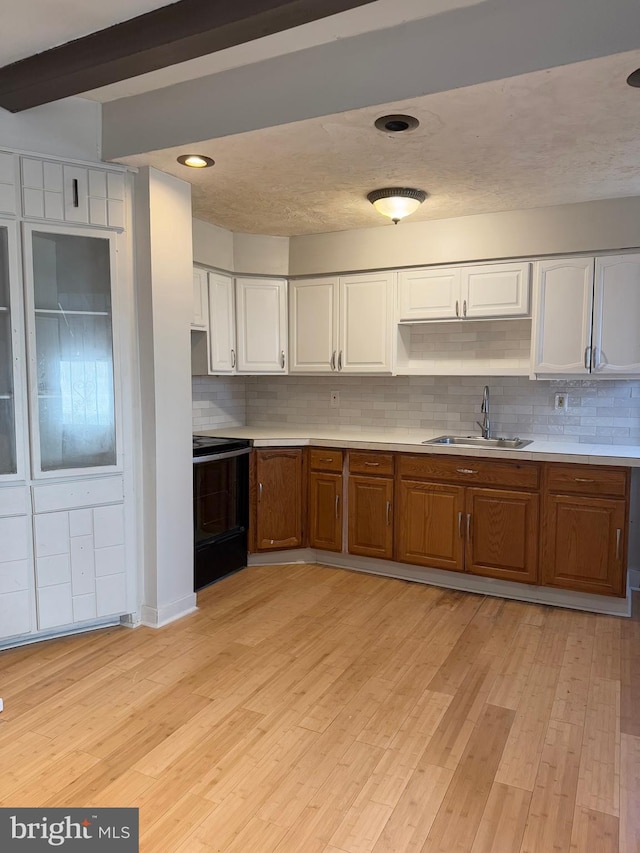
164	274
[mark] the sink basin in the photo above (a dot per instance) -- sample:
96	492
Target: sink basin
478	441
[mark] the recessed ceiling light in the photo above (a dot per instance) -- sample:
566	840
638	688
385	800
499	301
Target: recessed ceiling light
396	123
195	161
634	78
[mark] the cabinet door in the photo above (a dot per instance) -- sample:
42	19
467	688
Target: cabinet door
366	315
371	517
616	315
561	337
222	343
69	275
496	290
80	565
584	544
261	319
11	360
325	511
15	571
313	325
278	511
502	534
432	294
199	317
8	202
430	525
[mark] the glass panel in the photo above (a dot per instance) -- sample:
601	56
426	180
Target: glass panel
74	351
71	273
7	412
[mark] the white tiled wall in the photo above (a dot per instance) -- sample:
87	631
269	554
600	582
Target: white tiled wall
601	412
218	402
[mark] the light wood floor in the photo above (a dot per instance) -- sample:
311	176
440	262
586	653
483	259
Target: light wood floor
304	709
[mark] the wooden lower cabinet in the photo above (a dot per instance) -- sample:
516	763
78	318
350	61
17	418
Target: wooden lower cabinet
430	529
325	511
584	544
371	517
501	532
277	498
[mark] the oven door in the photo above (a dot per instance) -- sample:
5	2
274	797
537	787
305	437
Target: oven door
220	495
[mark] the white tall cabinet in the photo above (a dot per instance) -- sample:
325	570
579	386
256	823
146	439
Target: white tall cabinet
64	546
587	315
342	324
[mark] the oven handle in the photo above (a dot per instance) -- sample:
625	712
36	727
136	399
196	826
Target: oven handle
215	456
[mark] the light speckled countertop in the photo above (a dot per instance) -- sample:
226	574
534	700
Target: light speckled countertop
398	440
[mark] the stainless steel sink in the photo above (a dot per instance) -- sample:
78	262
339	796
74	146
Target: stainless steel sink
478	441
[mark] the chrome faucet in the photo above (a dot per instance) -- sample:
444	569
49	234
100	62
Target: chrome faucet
485	426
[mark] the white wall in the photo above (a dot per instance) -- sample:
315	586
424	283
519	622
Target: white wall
164	275
587	227
248	254
71	128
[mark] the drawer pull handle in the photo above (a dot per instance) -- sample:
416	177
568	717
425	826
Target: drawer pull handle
583	480
466	471
372	464
618	537
337	504
326	459
388	513
460	525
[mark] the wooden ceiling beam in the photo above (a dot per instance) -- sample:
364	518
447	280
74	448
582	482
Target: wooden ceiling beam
166	36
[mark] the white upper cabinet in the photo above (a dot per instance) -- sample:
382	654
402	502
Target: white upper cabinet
587	315
431	294
70	275
8	199
561	338
72	193
261	322
616	315
366	316
313	321
496	290
222	337
200	300
474	292
342	324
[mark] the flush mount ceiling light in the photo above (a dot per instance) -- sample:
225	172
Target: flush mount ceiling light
634	78
396	202
195	161
396	123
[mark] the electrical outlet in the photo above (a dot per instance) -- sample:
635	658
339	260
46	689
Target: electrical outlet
335	399
561	403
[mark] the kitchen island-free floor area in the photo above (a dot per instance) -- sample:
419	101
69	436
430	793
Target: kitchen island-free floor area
306	709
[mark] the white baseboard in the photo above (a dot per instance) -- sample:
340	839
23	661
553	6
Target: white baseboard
154	617
634	578
454	580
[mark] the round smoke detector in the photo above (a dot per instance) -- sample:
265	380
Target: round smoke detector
396	123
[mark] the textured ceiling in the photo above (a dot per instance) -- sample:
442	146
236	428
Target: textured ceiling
564	135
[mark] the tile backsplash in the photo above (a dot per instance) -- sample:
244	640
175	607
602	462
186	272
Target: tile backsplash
600	412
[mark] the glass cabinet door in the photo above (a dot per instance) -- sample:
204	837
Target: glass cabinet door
70	274
8	455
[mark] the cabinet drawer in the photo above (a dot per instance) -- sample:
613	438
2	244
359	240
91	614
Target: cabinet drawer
78	493
586	480
461	469
363	462
325	460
